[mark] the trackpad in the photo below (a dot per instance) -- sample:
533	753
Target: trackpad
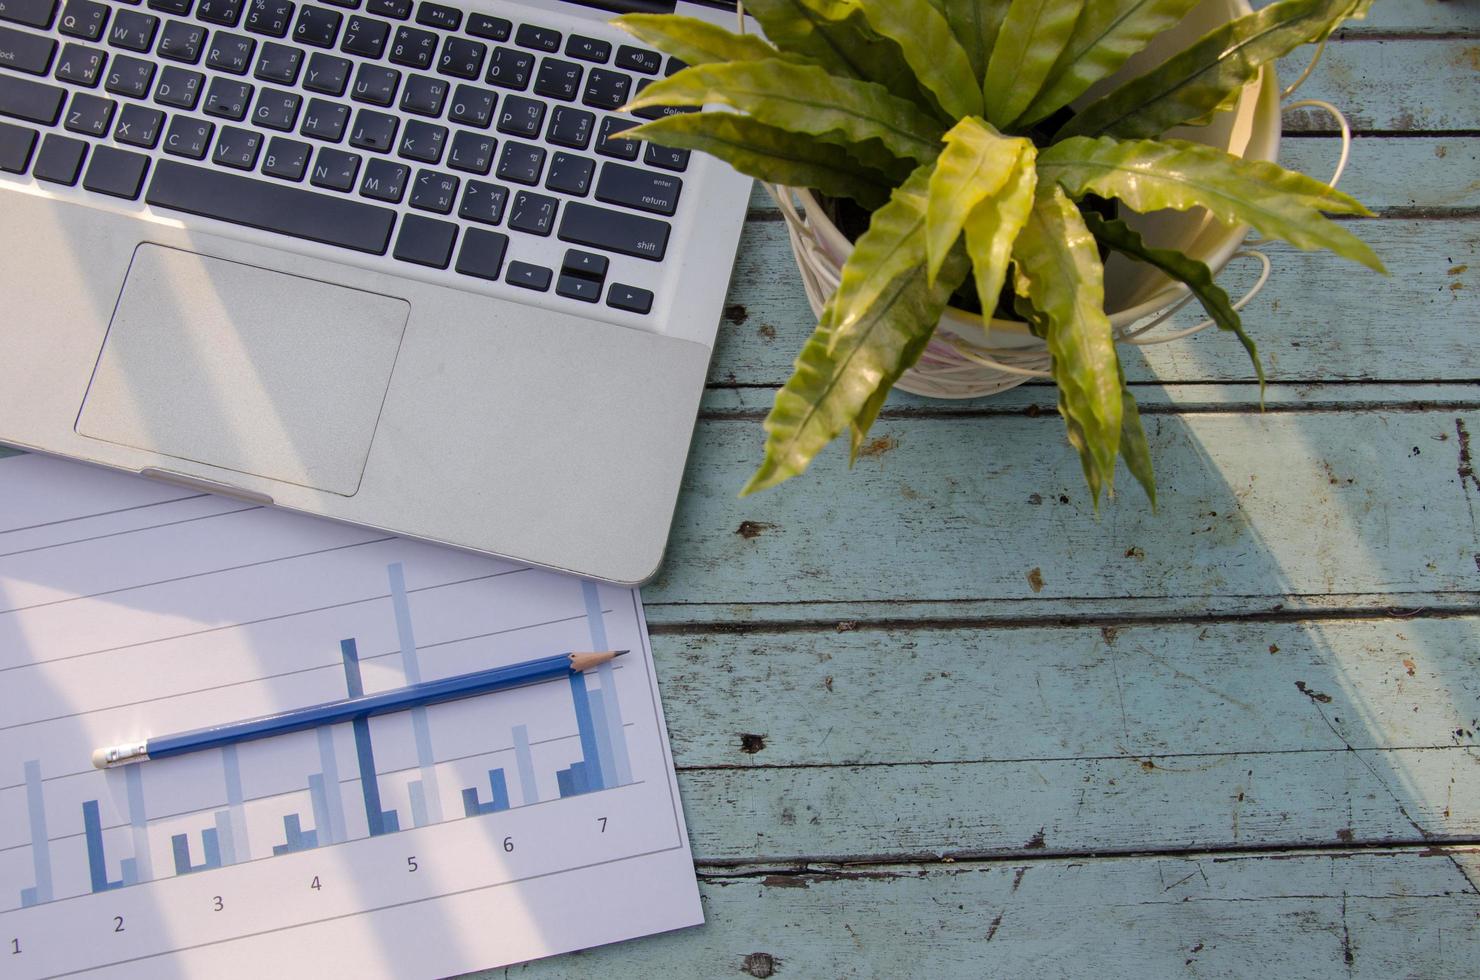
252	370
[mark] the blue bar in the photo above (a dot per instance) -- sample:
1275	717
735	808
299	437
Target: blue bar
500	796
320	800
210	843
133	777
297	838
97	865
567	786
333	831
431	804
590	757
528	789
580	778
129	869
28	898
596	623
225	836
604	763
381	822
416	789
236	847
40	842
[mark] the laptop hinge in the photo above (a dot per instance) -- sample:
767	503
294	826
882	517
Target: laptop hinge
649	6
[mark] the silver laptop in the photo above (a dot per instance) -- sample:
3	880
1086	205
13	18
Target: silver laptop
385	261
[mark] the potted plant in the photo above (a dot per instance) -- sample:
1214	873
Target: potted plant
986	154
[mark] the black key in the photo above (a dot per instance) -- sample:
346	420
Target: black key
271	17
16	144
629	298
433	191
639	59
346	4
30	101
570	127
472	106
493	28
230	52
422	141
674	66
335	170
614	231
223	12
587	264
606	89
90	115
365	36
84	18
327	74
578	287
521	116
529	276
424	95
471	152
32	13
588	49
610	143
286	159
558	79
180	41
181	7
385	180
482	254
317	26
483	202
325	120
436	15
29	53
237	148
130	76
570	174
426	241
278	63
60	159
414	48
659	111
510	69
188	137
277	110
133	30
666	157
374	131
271	207
376	85
179	88
640	189
462	58
228	99
80	64
399	9
539	38
534	213
521	163
139	126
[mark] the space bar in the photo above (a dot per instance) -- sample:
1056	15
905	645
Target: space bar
271	207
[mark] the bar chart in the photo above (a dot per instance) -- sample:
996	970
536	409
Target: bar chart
179	611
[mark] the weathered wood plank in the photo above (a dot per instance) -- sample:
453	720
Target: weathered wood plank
1410	17
1400	86
1375	914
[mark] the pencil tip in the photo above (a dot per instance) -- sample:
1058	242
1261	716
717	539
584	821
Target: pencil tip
622	653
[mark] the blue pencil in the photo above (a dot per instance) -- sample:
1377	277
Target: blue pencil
348	709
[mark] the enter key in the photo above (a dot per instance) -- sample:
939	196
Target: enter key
640	189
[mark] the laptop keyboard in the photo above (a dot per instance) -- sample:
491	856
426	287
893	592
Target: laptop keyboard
425	133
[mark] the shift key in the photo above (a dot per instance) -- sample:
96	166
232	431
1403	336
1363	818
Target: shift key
26	52
614	231
31	101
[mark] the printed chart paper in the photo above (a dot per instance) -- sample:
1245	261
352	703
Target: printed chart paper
444	839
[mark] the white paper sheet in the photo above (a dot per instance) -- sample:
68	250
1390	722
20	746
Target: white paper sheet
494	830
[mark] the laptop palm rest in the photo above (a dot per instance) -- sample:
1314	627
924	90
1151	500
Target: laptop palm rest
244	369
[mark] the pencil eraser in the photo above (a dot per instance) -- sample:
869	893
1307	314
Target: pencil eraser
100	758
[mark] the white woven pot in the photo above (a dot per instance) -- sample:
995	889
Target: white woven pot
963	361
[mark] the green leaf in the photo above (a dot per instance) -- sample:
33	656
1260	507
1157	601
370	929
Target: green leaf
994	225
1032	37
1105	36
1196	81
930	49
769	154
975	24
1198	277
698	42
976	162
1058	268
893	243
1149	175
835	34
1133	446
803	99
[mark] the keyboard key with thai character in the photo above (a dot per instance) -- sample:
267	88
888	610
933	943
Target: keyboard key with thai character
639	59
482	254
510	69
533	213
472	152
138	126
181	41
659	111
230	52
365	36
130	76
614	231
374	131
228	99
223	12
275	207
317	26
385	180
376	85
31	13
188	137
629	298
521	116
29	53
424	95
133	30
426	241
286	159
16	145
606	89
271	17
492	28
327	74
611	143
640	189
324	120
422	141
462	58
346	4
539	38
237	148
483	202
80	64
60	159
86	19
438	16
414	48
90	115
472	106
570	174
278	63
433	191
571	127
666	157
521	163
335	170
558	79
29	101
179	88
277	110
398	9
181	7
528	276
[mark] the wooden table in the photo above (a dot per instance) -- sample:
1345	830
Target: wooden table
932	719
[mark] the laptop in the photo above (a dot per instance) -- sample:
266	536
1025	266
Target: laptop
388	262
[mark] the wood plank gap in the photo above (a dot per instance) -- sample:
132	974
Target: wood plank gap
911	412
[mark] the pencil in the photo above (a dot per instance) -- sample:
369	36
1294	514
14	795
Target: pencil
348	709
